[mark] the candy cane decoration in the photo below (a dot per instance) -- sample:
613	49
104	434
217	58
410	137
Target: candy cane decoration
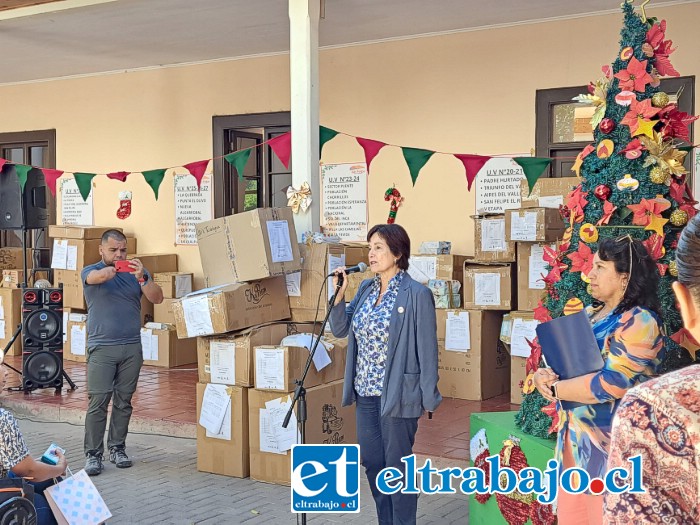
393	195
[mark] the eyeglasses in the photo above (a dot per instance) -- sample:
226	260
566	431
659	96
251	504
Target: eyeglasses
628	238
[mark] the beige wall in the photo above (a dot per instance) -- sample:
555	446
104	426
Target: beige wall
469	93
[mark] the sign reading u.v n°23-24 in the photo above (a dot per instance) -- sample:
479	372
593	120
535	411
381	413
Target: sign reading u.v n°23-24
325	478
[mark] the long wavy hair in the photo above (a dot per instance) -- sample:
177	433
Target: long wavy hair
643	283
688	258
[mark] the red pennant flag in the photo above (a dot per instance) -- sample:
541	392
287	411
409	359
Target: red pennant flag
472	166
282	146
371	148
197	169
51	177
2	163
119	175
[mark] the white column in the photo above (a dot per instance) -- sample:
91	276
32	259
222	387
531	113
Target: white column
303	63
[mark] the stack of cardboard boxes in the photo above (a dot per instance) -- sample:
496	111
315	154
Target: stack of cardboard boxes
10	296
250	261
536	225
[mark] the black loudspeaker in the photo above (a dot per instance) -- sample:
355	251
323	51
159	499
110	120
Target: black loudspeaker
42	338
28	209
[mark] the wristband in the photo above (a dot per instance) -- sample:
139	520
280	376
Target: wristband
553	389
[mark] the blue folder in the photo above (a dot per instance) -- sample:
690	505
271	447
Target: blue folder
570	348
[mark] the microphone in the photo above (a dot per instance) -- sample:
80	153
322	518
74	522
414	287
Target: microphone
360	267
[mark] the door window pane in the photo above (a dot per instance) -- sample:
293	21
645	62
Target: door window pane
572	123
13	155
37	154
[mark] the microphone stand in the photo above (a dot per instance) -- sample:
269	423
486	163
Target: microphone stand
300	392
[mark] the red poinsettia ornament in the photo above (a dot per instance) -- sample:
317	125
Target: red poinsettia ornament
582	259
661	49
635	77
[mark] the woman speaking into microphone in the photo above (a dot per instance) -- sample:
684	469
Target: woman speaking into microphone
392	362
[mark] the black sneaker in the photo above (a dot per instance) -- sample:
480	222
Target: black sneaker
119	457
93	465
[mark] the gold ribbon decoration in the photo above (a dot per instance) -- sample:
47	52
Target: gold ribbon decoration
300	198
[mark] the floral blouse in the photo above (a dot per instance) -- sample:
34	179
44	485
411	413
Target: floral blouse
371	328
12	446
661	421
631	343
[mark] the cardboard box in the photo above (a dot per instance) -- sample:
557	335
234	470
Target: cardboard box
174	284
522	330
161	347
163	313
354	282
231	307
355	253
327	423
482	371
447	267
304	287
490	244
488	287
239	347
547	192
238	248
74	231
11	258
534	225
12	278
157	262
10	317
80	253
531	269
517	379
75	336
435	248
223	456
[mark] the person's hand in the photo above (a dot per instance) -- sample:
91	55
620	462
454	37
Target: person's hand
341	292
544	378
137	266
62	462
109	272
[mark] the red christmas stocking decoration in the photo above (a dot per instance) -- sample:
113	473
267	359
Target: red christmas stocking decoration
124	205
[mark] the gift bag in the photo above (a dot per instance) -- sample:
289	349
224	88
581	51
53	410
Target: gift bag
76	501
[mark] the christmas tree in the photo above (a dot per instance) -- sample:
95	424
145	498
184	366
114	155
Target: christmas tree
632	181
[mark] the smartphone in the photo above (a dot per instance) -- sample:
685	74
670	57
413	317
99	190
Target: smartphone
123	266
49	456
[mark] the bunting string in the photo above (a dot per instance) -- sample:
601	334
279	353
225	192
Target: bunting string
416	159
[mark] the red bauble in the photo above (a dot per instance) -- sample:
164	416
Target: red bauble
602	191
564	211
606	125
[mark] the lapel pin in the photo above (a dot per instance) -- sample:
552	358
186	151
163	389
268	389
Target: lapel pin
401	309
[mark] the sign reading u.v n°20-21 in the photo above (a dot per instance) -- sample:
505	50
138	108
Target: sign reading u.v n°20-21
325	478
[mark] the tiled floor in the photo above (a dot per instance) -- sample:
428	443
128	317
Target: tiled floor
168	396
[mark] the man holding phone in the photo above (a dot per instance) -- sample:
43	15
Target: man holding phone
113	288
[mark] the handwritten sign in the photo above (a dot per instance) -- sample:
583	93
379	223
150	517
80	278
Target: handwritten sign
74	210
498	186
191	207
344	200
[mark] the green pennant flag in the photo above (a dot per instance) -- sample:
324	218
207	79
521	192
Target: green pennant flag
154	178
325	134
238	159
22	170
84	182
533	167
416	158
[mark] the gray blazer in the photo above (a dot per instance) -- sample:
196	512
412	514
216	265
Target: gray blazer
411	377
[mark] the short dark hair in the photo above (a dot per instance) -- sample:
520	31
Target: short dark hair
113	234
643	284
396	239
688	258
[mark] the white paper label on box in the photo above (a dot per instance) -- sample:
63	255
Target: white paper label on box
3	334
2	309
551	201
269	368
422	269
277	410
60	254
214	405
72	258
280	242
523	228
487	289
268	440
537	267
333	262
197	315
225	433
78	339
493	235
183	285
321	357
222	362
523	331
457	335
77	318
293	284
65	326
149	345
